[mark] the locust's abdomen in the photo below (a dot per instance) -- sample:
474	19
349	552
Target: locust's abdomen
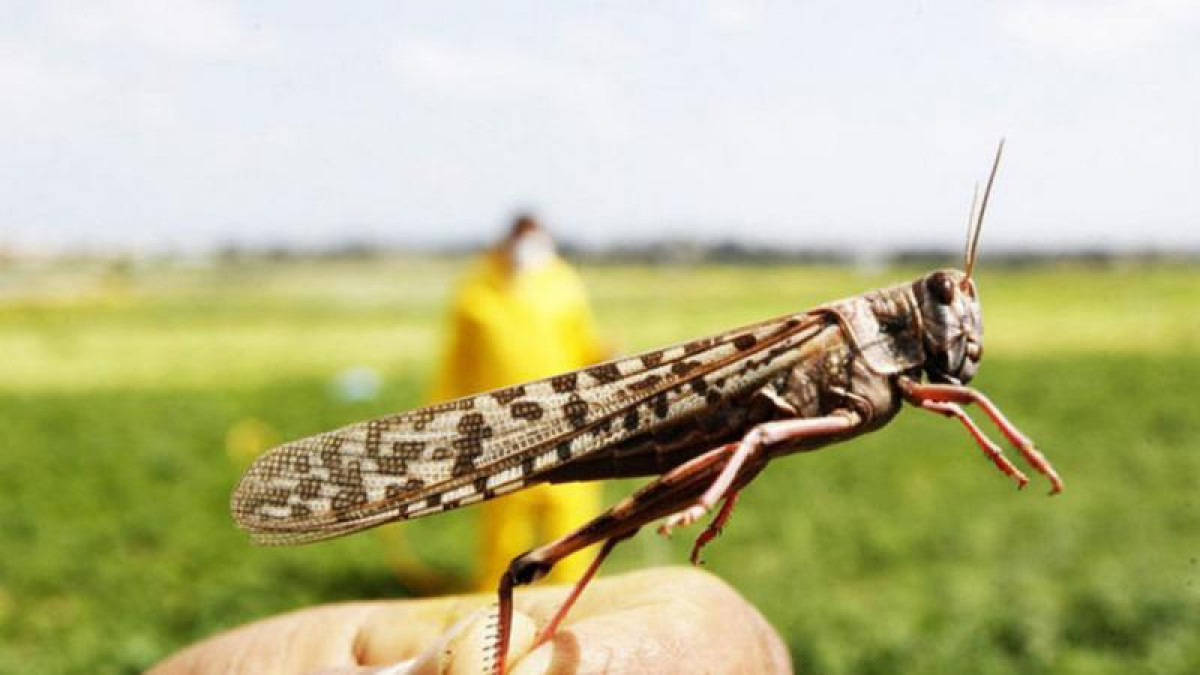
797	376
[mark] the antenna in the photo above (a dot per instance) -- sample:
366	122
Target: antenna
967	258
973	234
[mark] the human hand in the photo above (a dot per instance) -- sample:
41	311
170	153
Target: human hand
665	620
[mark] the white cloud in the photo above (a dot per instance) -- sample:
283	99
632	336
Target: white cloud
24	72
734	14
182	28
571	85
39	91
475	71
1096	29
77	67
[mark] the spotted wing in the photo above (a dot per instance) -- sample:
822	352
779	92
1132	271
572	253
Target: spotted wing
443	456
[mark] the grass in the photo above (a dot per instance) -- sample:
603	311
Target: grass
903	551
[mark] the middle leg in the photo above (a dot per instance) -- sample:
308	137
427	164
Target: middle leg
714	528
752	447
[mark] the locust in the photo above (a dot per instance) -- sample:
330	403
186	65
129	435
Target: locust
703	417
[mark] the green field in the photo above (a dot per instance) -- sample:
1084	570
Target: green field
902	552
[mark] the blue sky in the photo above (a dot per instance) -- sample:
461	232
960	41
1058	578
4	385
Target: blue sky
147	125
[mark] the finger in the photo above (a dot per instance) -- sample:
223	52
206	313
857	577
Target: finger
296	642
341	636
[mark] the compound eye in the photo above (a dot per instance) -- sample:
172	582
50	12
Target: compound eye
940	287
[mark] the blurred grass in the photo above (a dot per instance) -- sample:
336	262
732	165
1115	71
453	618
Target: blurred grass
900	552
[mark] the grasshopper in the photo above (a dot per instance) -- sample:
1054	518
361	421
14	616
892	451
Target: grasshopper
705	417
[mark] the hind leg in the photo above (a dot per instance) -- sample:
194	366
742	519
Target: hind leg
673	490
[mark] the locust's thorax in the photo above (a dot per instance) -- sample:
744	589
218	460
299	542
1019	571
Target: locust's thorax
952	325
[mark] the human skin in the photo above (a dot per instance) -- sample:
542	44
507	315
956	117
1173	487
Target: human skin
663	620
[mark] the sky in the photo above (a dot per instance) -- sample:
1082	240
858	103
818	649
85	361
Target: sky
150	126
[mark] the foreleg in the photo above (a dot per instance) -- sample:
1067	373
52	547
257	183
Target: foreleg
989	448
920	394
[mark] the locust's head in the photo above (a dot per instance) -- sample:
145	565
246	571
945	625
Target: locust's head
952	325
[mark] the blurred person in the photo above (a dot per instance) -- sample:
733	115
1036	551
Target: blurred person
521	314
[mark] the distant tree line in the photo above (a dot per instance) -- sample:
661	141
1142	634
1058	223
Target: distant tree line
667	252
662	252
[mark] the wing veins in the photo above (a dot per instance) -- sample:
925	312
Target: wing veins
332	523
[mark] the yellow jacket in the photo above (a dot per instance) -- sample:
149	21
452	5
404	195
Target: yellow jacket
515	328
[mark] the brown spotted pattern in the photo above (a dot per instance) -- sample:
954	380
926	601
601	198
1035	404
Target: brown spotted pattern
460	452
575	410
651	359
564	383
744	342
527	410
604	373
506	396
